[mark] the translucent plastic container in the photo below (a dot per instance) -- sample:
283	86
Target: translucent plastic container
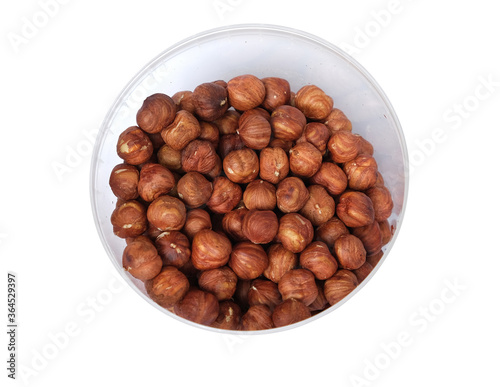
264	51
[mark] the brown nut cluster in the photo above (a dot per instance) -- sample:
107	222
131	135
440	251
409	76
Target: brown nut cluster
246	206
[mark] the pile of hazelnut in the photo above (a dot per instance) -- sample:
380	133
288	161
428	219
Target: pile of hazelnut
246	206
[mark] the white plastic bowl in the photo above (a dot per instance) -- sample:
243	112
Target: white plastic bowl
264	51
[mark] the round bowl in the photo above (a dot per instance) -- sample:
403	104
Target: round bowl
264	51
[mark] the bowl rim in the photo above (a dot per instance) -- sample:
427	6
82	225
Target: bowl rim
208	34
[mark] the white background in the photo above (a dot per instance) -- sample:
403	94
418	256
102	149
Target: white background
431	58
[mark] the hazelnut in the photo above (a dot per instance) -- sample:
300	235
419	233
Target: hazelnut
216	170
381	198
328	232
199	156
225	195
290	311
295	232
316	134
209	132
173	248
221	82
277	92
248	260
355	209
264	292
257	317
365	146
129	219
210	101
254	129
274	165
350	252
184	100
232	223
363	271
343	146
386	231
320	303
337	120
228	143
134	146
193	189
157	112
361	172
141	259
167	213
313	102
246	92
168	287
157	142
210	250
339	285
260	227
317	258
291	194
196	220
198	306
241	166
154	180
229	316
305	159
228	123
332	177
182	131
371	237
287	123
380	179
221	282
241	294
123	181
260	195
299	284
320	206
169	158
281	260
283	144
374	259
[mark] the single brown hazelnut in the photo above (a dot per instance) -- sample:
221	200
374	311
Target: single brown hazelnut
167	213
232	223
316	134
141	259
339	286
305	159
289	312
274	165
361	172
210	101
157	141
299	284
248	260
365	146
355	209
198	156
260	227
254	129
198	306
168	287
287	123
184	100
157	112
320	206
291	194
221	282
154	180
229	143
245	92
371	237
386	231
382	202
173	247
277	92
257	317
169	158
337	120
209	132
350	252
129	219
363	271
264	292
343	146
225	195
182	131
241	166
374	259
123	181
221	82
216	170
260	195
332	177
196	220
228	123
283	144
241	294
328	232
134	146
317	258
281	260
229	316
313	102
194	190
210	250
320	303
295	232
